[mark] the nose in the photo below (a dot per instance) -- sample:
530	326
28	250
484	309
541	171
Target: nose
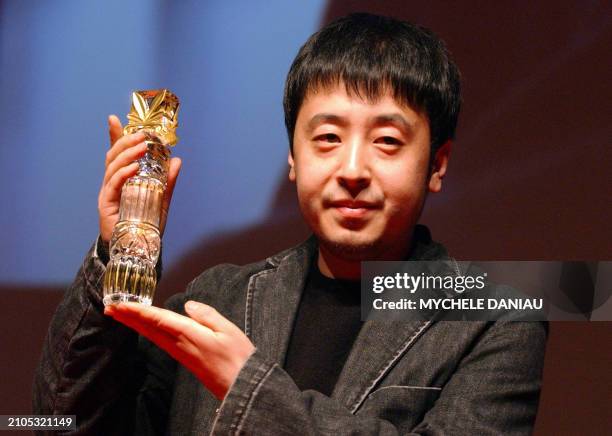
354	172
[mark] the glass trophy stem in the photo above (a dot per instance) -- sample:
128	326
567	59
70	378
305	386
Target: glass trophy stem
135	243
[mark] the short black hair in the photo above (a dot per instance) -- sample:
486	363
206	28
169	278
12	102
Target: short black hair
371	54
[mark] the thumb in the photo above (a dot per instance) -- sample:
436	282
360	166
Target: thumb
173	172
115	130
209	317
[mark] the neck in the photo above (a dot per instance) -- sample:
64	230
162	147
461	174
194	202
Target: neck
337	266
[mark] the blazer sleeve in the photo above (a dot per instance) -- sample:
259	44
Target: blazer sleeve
91	366
494	390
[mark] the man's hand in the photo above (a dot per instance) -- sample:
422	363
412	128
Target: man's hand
210	346
120	166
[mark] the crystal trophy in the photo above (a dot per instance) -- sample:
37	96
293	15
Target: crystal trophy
135	243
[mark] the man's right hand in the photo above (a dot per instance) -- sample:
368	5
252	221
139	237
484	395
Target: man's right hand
120	166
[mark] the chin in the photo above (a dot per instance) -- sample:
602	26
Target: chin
350	246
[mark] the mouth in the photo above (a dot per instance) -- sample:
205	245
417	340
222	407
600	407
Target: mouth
353	212
354	209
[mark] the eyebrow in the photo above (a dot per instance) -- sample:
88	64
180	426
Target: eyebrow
394	119
326	118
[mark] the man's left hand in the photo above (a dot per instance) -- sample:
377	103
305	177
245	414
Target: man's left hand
209	345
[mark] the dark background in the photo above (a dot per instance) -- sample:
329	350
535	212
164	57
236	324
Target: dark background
529	179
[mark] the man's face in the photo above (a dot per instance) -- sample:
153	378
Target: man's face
362	172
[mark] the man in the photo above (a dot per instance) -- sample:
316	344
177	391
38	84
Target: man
278	347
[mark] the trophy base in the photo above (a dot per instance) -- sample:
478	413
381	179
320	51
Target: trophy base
124	297
129	279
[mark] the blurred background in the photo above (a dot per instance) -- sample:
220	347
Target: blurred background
529	177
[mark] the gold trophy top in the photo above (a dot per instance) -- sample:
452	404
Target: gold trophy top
155	112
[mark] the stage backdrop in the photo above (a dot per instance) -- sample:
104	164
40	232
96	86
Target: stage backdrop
66	65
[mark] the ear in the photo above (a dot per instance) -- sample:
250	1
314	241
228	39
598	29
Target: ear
291	166
439	166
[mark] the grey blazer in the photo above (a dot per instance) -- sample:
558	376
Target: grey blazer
421	377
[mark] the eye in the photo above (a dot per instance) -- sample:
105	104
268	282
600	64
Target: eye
388	140
328	137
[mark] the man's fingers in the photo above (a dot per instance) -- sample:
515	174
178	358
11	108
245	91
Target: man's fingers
209	317
123	143
155	317
125	158
116	182
176	345
146	328
115	130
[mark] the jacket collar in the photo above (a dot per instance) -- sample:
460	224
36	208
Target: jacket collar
273	296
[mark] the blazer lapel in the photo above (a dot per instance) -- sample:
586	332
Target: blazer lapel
273	296
380	344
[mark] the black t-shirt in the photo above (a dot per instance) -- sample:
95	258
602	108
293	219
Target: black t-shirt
326	325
